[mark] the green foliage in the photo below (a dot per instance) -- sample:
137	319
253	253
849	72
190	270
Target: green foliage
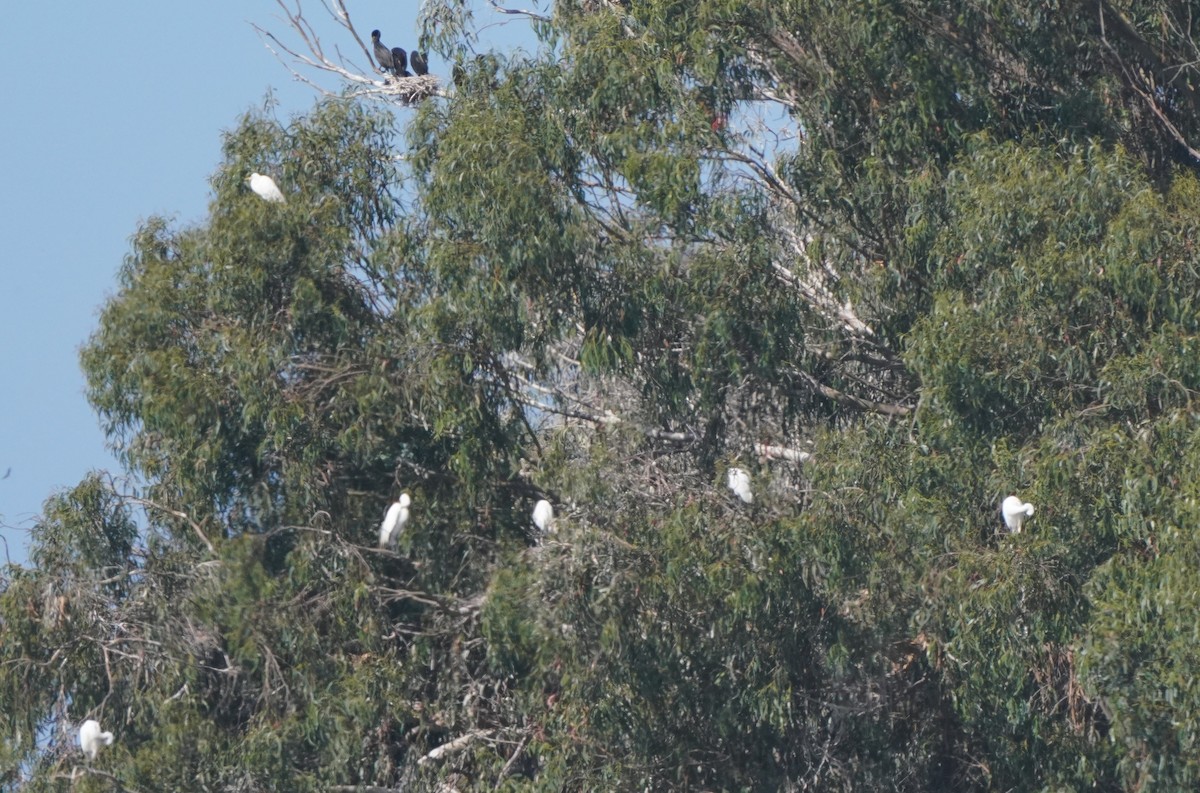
1061	286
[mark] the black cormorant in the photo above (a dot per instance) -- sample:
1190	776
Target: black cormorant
400	61
419	64
382	54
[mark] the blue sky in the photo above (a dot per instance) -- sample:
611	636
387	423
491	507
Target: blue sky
113	113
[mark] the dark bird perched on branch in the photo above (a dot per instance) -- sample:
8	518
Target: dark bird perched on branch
382	54
419	64
400	62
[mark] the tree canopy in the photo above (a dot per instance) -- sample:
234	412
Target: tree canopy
896	259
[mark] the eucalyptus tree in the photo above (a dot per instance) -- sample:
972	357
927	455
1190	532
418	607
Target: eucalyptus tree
890	262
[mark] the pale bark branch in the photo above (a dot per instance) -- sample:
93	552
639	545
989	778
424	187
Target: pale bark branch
518	12
382	86
507	769
854	401
811	282
1136	82
782	453
452	747
76	772
589	413
178	514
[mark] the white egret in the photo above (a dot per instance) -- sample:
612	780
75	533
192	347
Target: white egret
393	521
1015	511
91	738
265	187
543	516
739	483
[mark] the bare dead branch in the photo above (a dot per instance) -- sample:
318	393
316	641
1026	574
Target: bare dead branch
453	747
854	401
507	769
1157	110
518	12
178	514
1136	79
379	85
782	453
812	281
394	595
89	771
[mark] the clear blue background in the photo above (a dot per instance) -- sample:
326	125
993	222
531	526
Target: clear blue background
113	112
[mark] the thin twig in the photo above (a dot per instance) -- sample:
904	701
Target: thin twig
519	12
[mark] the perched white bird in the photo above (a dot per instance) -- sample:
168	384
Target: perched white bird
543	516
91	738
265	187
739	483
1015	511
393	521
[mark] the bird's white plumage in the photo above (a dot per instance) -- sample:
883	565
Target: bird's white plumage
739	483
266	188
394	520
1015	511
543	516
91	738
